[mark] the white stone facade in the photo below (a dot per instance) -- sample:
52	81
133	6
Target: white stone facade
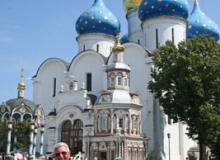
81	91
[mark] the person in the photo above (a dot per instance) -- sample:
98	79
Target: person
61	151
19	156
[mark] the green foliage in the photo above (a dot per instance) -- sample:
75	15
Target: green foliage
23	133
186	81
153	155
3	136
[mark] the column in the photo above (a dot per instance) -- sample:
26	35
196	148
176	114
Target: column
15	137
35	141
41	139
112	121
130	123
30	157
9	137
138	125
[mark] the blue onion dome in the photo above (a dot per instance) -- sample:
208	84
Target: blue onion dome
98	19
124	39
199	24
156	8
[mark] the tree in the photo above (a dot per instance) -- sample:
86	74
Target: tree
23	135
186	81
3	136
23	132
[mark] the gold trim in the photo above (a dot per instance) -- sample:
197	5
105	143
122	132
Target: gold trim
118	47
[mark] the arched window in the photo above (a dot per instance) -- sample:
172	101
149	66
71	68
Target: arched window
119	79
157	39
120	123
17	116
173	36
126	81
112	81
72	135
97	48
5	116
65	133
27	117
77	136
54	86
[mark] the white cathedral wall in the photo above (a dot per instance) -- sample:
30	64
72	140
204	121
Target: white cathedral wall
91	40
89	62
134	28
43	83
180	143
175	148
164	26
73	98
69	112
135	56
189	143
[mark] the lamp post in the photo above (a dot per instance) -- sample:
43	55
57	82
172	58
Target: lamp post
168	136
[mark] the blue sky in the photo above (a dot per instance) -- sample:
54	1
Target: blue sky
34	30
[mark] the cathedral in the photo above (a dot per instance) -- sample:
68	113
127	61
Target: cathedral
99	102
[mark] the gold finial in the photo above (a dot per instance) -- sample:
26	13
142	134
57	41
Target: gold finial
131	5
21	84
118	47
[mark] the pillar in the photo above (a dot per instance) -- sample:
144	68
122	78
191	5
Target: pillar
35	141
9	137
30	156
41	139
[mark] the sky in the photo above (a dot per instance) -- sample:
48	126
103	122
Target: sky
33	30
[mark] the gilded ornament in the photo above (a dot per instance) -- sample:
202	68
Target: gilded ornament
131	5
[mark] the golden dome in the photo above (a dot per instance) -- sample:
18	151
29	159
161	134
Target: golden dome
131	5
21	85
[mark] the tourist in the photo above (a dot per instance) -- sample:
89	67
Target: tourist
61	151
